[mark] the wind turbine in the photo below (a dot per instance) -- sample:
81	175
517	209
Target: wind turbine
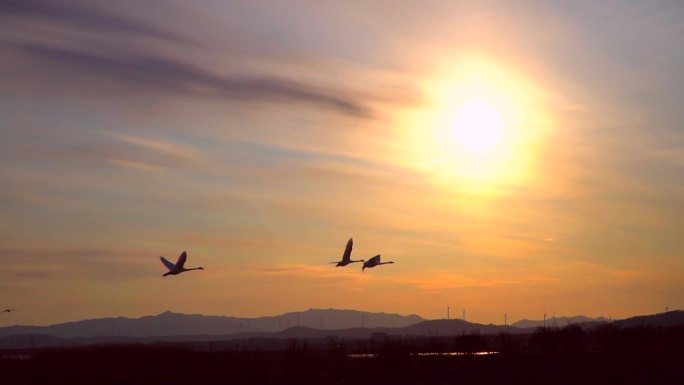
178	267
346	257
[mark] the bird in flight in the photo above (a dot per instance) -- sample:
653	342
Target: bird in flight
375	261
346	257
175	269
8	310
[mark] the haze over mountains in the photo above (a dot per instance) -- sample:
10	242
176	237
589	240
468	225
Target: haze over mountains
176	327
556	321
176	324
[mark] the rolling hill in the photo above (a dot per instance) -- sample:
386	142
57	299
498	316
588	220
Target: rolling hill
177	324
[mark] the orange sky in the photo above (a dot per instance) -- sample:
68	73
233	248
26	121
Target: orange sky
260	136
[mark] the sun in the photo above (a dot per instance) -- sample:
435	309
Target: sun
483	126
477	126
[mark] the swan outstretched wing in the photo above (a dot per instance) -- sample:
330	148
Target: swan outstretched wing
374	261
347	250
181	260
167	263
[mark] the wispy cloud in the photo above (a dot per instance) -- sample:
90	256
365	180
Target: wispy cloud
427	280
140	166
129	151
26	262
73	14
165	149
174	76
435	280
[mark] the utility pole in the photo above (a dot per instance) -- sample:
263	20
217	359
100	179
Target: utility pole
448	308
464	314
505	319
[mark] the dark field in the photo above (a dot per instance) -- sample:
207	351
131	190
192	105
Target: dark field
549	356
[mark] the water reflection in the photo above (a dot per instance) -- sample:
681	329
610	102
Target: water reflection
362	355
455	354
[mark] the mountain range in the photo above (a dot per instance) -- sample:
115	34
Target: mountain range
252	338
557	321
176	327
177	324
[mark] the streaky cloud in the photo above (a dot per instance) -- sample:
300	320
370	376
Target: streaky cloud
127	151
75	15
175	76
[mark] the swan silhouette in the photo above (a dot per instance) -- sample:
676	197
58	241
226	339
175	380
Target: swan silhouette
346	257
8	310
179	266
375	261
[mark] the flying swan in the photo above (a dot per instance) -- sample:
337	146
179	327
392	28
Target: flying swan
178	267
346	257
375	261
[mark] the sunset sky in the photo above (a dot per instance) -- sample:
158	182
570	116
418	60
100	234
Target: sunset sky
260	135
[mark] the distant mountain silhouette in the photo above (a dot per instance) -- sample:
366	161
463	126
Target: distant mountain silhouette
670	318
425	328
176	324
557	321
455	327
174	327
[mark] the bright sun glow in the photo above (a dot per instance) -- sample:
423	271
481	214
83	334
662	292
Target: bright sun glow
478	126
482	130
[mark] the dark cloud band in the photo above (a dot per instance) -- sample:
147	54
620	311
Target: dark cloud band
171	75
75	15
